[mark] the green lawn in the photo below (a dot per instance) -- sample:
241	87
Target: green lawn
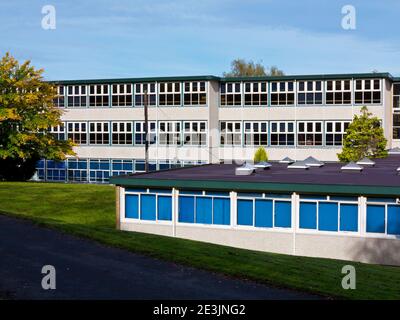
88	211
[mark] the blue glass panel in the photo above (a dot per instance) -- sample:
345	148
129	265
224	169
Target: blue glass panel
186	209
131	206
245	212
147	207
82	165
283	214
204	210
308	215
393	223
165	208
375	218
117	166
385	200
104	165
349	217
222	211
312	197
263	213
328	216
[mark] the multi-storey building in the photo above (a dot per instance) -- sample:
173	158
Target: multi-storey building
206	119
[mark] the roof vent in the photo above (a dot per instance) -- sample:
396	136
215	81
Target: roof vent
352	167
366	162
398	170
286	160
245	170
260	166
312	162
394	151
298	165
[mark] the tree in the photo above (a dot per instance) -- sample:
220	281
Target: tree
243	68
260	155
26	112
364	138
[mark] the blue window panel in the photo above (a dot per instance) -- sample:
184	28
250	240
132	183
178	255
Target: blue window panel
147	207
132	206
186	209
139	166
328	216
375	218
393	217
384	200
164	208
283	214
308	215
117	166
82	165
222	211
40	164
204	210
104	165
312	197
245	212
349	217
263	214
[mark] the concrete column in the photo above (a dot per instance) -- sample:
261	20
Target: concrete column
295	217
233	196
362	215
117	207
175	196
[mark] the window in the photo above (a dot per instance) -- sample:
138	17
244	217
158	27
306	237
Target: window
383	216
309	92
169	132
367	91
119	167
282	133
99	133
76	96
323	214
121	95
40	169
256	133
122	133
230	94
338	92
77	132
195	93
55	170
77	170
264	211
99	170
169	94
334	132
196	207
282	93
59	100
98	95
231	133
140	89
140	135
396	110
58	132
195	133
255	94
309	133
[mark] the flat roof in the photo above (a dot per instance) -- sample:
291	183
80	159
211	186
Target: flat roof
339	76
381	179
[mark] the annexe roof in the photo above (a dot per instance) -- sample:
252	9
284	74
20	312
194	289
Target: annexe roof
382	179
384	75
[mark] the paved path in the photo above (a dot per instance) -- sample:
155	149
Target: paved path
87	270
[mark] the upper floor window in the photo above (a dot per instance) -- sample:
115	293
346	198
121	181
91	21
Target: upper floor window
195	132
76	96
255	93
58	131
140	134
367	91
309	133
121	95
122	133
396	96
338	92
99	133
231	133
255	133
169	94
77	132
282	133
231	94
169	132
309	92
334	132
141	89
195	93
59	99
98	95
282	93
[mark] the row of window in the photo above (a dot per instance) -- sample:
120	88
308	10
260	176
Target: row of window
283	133
99	170
280	93
396	111
320	213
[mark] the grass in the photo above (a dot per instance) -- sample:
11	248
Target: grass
88	211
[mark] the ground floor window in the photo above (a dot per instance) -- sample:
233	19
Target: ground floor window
77	170
99	170
55	170
383	217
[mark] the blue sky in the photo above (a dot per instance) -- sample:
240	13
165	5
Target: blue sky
134	38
